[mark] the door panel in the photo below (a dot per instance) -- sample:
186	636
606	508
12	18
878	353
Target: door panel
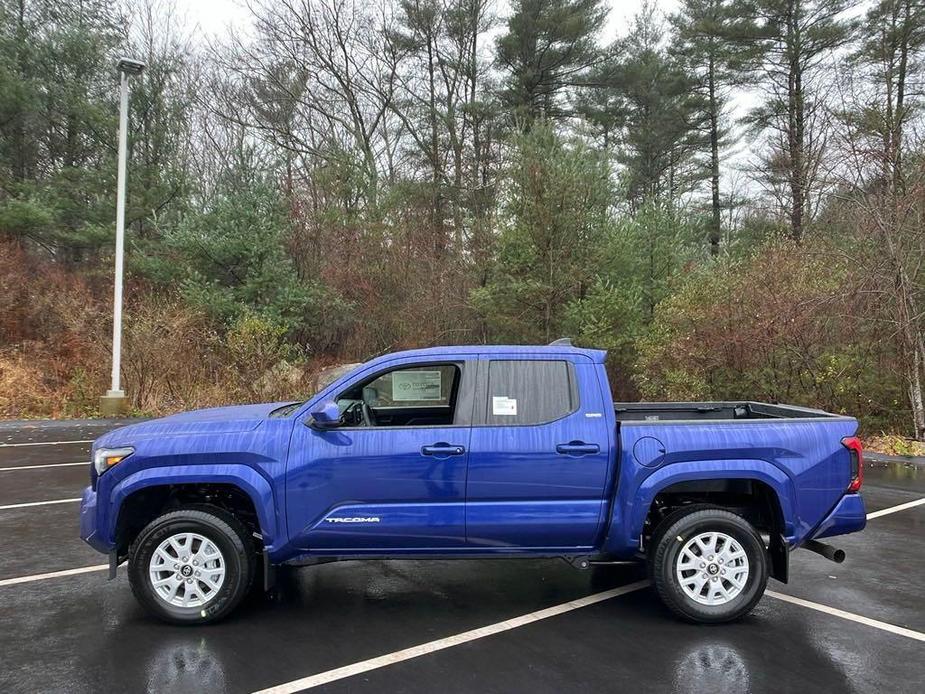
539	485
549	523
357	489
394	526
373	488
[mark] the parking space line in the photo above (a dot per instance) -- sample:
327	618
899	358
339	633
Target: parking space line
38	503
37	467
43	443
448	642
850	616
894	509
53	574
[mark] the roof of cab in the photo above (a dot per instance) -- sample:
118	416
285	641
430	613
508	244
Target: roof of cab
512	351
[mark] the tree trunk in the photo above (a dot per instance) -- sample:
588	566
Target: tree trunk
436	198
715	228
912	344
795	123
20	166
899	115
915	392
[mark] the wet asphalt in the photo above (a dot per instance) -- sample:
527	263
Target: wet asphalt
82	633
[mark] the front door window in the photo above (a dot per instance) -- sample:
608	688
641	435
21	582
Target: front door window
420	395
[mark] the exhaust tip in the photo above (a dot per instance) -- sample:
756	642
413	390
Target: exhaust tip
828	551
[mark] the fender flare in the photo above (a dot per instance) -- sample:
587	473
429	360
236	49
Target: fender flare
759	470
243	477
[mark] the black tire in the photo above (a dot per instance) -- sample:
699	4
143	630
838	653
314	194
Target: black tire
659	532
674	533
225	532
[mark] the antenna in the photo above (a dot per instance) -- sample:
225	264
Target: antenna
561	342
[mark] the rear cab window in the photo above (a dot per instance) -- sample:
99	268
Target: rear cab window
525	392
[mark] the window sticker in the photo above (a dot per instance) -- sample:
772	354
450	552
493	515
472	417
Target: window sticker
416	386
503	405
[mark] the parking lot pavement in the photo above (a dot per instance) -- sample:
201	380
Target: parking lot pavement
629	644
29	485
62	454
883	576
26	433
454	626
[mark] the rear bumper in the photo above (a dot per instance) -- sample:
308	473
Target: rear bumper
848	516
89	528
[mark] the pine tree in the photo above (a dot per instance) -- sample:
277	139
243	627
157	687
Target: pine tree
549	46
549	247
890	60
891	51
718	42
648	107
798	36
57	118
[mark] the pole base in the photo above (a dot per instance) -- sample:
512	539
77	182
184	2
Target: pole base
114	403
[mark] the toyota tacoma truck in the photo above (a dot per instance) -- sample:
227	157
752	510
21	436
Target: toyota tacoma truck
472	452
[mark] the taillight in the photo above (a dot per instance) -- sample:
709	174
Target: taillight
853	444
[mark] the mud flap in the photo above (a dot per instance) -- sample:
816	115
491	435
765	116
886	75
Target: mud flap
779	554
269	573
113	563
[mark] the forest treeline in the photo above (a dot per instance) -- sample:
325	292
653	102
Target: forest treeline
729	198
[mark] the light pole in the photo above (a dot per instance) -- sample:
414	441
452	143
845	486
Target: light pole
114	401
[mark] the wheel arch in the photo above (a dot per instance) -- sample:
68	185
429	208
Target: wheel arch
142	496
713	480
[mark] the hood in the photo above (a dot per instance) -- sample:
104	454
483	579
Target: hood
214	420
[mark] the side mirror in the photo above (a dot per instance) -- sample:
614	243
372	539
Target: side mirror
325	415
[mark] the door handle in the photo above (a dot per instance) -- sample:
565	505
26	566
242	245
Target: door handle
577	448
442	449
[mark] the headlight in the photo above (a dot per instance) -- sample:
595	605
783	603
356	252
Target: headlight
105	458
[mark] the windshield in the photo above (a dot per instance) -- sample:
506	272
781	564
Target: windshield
327	376
321	380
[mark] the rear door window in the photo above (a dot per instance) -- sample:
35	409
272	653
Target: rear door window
529	391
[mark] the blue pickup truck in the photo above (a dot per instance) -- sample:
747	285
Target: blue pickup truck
472	452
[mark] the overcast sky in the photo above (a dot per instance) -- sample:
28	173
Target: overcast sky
215	16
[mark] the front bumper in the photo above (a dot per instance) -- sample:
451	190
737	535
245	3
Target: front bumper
89	527
848	516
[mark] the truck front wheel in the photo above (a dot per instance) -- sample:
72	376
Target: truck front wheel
191	566
709	565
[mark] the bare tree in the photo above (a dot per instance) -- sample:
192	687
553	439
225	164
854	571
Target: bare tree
800	34
317	82
880	118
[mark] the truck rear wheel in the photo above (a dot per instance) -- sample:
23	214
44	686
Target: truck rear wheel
709	565
191	566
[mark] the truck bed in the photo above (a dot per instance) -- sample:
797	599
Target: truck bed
718	411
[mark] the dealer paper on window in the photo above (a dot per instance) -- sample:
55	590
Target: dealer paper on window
503	405
416	386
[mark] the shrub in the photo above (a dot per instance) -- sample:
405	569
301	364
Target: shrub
261	363
52	352
781	325
55	347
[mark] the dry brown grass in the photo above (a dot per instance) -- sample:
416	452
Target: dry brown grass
55	341
891	444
